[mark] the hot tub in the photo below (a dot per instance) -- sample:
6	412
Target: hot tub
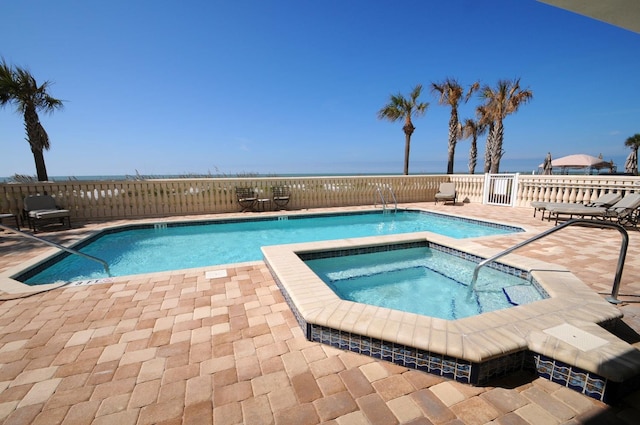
472	349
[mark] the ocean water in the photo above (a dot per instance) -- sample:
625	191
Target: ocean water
507	165
121	177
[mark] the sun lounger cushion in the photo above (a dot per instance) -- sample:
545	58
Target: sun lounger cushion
42	214
605	200
624	211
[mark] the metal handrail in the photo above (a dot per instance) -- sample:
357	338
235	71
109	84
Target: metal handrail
395	201
55	245
623	252
384	202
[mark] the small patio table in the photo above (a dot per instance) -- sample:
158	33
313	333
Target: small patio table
263	204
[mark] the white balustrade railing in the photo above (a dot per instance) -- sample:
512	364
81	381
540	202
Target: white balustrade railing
571	189
102	200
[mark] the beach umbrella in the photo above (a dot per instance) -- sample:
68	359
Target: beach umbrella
546	165
631	164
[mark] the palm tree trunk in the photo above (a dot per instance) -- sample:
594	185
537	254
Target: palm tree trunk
453	139
488	150
38	139
473	155
451	153
408	130
407	146
41	168
496	151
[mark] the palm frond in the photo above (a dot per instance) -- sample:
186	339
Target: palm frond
400	107
633	142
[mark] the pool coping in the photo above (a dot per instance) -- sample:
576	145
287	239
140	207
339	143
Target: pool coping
478	339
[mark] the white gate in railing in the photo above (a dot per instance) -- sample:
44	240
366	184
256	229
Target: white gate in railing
500	189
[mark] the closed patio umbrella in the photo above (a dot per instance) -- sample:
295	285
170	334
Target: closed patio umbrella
546	166
631	164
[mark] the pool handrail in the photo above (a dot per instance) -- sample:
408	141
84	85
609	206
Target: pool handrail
384	202
613	299
61	247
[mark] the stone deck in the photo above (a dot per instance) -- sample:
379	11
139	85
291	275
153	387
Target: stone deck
176	347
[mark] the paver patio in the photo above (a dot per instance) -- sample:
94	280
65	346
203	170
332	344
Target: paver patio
177	347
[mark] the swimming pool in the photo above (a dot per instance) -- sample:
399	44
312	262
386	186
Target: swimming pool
422	280
158	247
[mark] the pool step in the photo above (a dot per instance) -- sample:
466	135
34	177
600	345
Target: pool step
521	294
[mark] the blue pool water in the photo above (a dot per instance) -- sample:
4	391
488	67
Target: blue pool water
424	281
174	246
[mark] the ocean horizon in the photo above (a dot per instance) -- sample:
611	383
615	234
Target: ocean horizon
140	177
134	177
523	166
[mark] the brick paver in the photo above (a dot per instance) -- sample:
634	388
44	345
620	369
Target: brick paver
179	348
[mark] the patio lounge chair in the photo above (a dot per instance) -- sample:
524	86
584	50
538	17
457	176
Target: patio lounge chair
624	211
280	196
605	200
10	216
247	198
42	209
446	192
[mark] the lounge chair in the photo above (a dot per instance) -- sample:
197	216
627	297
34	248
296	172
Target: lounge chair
10	216
605	200
280	196
247	198
447	192
39	210
624	211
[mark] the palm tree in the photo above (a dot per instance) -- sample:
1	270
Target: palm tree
451	93
499	103
472	129
633	142
19	87
399	108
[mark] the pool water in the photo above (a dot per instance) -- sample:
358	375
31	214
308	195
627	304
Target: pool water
175	246
424	281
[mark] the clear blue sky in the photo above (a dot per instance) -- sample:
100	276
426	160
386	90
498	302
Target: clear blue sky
276	87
